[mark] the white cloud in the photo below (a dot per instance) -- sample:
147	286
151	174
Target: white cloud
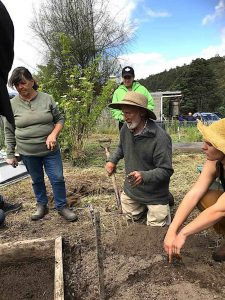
219	11
157	14
122	9
217	49
146	64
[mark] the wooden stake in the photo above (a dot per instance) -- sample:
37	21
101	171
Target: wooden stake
99	256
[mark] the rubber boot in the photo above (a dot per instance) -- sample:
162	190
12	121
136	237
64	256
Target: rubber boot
41	211
68	214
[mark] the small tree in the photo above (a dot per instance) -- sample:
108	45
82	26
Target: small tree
92	29
83	103
82	93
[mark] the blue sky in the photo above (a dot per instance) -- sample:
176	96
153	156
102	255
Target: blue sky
168	33
174	28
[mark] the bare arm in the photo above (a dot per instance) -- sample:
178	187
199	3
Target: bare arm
188	203
207	218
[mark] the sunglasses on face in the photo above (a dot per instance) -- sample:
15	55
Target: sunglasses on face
127	77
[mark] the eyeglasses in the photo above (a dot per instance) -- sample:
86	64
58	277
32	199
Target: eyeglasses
127	77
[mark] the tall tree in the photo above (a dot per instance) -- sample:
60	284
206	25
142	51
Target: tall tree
199	88
90	27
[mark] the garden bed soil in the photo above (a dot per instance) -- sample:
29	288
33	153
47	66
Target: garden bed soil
27	280
135	264
137	268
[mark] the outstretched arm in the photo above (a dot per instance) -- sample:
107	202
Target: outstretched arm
187	205
206	219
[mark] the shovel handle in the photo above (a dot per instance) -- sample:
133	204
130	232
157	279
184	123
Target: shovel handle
116	190
107	153
115	187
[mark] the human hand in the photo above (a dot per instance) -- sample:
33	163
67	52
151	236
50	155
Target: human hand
168	243
12	161
178	243
135	178
110	168
51	141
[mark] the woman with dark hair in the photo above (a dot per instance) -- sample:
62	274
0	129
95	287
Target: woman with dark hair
38	123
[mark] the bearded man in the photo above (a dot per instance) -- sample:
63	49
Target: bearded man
147	152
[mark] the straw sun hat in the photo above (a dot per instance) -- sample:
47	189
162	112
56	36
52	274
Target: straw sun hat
214	133
134	99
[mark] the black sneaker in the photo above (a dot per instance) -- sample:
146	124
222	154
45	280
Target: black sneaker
9	208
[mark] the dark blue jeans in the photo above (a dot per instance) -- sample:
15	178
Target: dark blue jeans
52	164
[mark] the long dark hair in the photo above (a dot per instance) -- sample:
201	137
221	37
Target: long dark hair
19	74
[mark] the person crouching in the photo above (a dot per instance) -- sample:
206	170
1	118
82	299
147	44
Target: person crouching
147	152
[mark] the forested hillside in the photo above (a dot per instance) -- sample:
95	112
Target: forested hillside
202	84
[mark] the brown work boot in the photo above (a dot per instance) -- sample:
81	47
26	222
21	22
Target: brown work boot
41	211
68	214
219	254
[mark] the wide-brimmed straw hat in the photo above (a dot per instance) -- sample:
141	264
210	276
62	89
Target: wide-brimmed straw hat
134	99
214	133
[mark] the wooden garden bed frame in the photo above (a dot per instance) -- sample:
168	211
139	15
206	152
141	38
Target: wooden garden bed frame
22	251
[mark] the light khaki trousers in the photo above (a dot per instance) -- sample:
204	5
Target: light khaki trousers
157	215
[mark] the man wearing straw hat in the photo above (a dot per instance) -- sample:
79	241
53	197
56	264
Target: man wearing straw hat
214	213
147	152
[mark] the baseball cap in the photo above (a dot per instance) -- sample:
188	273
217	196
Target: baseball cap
127	71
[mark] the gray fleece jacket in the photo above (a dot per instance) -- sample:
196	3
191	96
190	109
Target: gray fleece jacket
150	153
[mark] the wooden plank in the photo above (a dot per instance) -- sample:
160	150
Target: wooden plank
59	283
27	250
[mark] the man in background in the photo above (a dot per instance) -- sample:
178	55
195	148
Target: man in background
129	84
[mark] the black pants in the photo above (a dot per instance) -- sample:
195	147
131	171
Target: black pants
1	202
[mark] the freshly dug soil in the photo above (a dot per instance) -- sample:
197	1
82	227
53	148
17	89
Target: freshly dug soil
31	280
135	264
136	268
